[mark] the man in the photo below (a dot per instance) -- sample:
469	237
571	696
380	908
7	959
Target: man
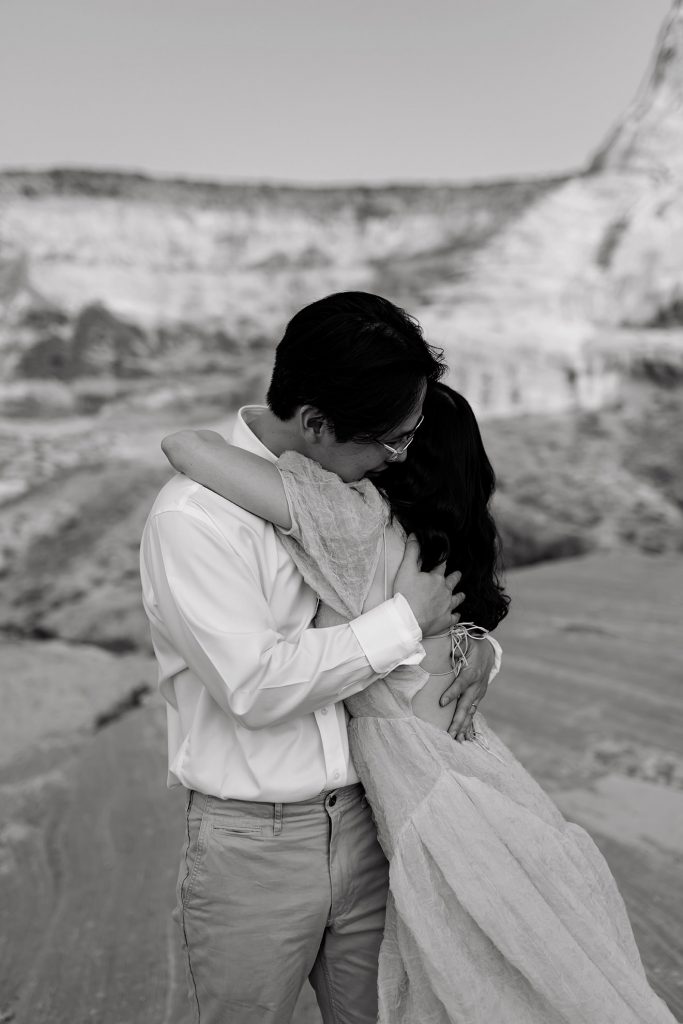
282	877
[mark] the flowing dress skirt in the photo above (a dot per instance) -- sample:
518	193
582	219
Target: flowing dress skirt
500	911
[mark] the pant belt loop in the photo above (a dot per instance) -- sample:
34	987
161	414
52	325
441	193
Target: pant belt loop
277	819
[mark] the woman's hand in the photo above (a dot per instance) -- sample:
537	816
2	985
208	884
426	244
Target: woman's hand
469	688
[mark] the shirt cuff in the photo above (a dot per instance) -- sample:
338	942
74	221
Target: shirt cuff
389	635
498	652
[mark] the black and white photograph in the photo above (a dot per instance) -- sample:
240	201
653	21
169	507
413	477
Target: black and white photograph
341	512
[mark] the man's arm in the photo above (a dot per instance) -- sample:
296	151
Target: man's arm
209	598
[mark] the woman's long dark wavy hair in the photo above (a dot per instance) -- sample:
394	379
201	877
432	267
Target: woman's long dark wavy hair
441	493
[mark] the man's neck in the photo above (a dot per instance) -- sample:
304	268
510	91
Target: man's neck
277	435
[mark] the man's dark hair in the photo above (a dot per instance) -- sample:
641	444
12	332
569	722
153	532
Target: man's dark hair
359	359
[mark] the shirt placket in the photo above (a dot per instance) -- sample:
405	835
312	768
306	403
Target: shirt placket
333	747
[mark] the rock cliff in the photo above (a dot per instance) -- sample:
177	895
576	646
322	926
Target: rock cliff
648	137
586	285
114	277
545	295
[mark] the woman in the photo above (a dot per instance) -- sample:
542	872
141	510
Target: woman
499	910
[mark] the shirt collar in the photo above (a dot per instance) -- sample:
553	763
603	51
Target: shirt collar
244	437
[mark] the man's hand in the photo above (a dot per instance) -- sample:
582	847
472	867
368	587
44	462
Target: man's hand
429	594
469	688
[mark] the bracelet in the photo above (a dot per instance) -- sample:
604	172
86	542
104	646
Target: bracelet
461	634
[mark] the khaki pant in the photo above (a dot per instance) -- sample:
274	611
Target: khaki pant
272	894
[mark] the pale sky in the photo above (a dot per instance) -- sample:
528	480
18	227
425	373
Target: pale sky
318	91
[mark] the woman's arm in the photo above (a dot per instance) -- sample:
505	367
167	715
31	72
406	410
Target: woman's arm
332	530
246	479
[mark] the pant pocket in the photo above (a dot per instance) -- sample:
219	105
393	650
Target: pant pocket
237	828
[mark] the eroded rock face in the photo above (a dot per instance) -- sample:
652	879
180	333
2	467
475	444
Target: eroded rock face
561	305
545	296
150	279
587	283
649	136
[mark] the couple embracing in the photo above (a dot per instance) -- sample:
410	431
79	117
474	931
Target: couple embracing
350	817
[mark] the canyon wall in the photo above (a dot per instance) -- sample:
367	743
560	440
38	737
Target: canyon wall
189	280
544	295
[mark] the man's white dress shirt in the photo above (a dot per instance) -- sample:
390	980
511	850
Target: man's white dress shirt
253	693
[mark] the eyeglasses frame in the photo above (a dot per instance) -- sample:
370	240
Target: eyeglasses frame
397	452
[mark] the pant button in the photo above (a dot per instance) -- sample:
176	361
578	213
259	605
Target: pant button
332	801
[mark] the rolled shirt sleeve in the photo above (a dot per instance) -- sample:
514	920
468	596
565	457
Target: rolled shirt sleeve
377	630
209	595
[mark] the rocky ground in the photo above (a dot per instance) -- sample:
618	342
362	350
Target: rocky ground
90	836
590	699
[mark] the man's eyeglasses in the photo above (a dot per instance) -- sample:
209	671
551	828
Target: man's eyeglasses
396	453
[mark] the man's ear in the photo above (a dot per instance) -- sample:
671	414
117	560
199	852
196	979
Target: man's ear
314	425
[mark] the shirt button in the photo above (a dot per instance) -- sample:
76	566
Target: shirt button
323	711
336	775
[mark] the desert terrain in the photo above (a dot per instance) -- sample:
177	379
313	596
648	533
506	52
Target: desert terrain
589	698
131	306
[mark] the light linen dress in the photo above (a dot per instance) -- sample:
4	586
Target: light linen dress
499	910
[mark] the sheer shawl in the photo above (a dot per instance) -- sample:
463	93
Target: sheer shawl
337	531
